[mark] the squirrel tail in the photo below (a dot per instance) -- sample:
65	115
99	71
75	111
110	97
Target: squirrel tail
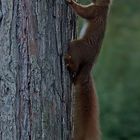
86	111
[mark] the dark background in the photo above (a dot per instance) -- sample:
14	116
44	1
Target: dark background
117	72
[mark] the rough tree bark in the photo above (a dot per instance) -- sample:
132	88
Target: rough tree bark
34	84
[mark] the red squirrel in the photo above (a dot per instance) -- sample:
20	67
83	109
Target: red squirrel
79	60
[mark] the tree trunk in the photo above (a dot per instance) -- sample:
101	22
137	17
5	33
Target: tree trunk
35	100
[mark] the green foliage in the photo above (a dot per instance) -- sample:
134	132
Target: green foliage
117	73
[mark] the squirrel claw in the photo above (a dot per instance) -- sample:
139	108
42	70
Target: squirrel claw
67	65
74	75
69	56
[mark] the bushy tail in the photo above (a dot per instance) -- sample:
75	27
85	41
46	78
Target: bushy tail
86	113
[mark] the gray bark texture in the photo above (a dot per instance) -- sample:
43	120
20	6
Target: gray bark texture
35	99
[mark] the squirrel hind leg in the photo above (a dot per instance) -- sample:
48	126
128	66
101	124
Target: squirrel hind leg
73	58
71	65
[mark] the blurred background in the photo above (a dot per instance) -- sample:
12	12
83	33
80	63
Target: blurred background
117	72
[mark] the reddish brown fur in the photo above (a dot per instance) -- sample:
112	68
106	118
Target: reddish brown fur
80	58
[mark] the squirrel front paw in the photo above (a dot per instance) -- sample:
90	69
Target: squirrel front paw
70	66
68	61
